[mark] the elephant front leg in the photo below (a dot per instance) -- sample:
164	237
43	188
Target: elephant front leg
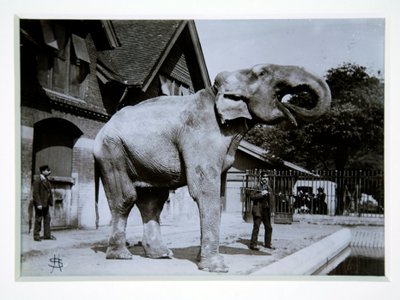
150	204
210	259
205	189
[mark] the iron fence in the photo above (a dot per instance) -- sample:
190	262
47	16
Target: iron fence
345	193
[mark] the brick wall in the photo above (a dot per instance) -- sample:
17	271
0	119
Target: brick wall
84	168
37	106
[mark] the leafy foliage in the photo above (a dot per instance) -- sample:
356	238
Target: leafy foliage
349	136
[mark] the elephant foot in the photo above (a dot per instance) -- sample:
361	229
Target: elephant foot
213	264
118	253
161	252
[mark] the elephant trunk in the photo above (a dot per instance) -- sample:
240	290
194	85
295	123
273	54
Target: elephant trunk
298	80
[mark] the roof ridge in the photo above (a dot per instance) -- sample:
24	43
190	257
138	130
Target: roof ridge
142	44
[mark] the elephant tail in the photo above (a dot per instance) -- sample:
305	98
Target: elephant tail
30	215
97	186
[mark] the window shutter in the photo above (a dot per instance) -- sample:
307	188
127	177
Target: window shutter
165	85
183	91
48	34
80	49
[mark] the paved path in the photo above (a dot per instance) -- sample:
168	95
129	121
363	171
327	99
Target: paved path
83	251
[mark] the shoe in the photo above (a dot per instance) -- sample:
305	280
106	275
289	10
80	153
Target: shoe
270	247
50	238
37	239
255	248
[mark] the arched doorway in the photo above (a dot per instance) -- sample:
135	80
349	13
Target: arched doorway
53	144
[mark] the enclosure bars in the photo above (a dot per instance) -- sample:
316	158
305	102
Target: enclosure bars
347	193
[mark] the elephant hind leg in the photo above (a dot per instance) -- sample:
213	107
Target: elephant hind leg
150	204
120	210
121	195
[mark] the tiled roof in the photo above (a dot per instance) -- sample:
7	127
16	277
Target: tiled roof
142	45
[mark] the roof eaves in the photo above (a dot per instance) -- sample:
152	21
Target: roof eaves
298	168
108	73
253	150
260	153
199	53
105	70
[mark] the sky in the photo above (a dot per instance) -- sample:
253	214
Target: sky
316	44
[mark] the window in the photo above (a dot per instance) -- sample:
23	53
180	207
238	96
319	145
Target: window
171	87
64	67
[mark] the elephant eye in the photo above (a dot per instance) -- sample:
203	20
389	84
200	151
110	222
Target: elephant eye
258	72
262	72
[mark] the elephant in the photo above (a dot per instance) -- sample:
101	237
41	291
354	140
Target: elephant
167	142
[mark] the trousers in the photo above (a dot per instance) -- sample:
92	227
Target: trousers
265	218
42	215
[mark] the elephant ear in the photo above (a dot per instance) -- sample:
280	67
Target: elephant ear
230	108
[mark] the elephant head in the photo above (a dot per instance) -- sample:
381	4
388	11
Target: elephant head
257	93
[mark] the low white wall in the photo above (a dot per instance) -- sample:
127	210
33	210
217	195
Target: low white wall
232	191
310	259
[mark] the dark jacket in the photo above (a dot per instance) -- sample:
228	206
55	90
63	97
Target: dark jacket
42	194
261	203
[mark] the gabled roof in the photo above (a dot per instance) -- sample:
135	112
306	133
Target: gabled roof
144	45
261	154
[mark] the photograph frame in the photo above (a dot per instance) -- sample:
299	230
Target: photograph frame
278	284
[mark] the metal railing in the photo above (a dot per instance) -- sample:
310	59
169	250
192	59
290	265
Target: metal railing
344	193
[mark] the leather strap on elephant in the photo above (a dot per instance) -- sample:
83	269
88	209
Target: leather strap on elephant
120	102
214	90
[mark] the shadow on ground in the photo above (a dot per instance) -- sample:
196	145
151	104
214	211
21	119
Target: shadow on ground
190	253
247	244
136	249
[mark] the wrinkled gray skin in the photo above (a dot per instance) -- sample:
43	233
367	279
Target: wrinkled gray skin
168	142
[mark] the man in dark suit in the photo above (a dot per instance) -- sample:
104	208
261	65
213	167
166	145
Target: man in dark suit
262	199
42	200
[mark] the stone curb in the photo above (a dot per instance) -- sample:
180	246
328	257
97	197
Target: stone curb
310	259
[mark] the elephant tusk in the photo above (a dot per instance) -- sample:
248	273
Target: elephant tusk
287	113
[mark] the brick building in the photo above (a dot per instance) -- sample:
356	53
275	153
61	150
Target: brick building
74	75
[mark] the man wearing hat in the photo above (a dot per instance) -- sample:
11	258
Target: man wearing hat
261	211
42	200
322	206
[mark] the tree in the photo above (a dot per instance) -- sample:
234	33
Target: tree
349	136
